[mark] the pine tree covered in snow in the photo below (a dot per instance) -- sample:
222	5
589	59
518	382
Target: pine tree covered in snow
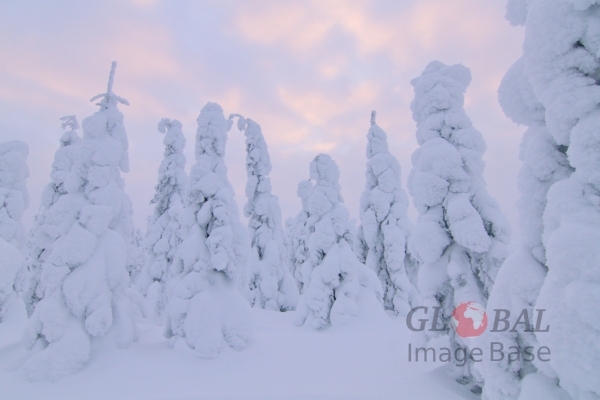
520	278
82	281
14	199
297	236
37	251
271	284
460	237
205	308
560	63
385	228
333	279
165	232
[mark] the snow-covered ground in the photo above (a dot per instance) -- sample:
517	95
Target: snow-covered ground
366	359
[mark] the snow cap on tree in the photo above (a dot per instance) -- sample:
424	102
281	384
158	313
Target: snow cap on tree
385	228
205	308
271	284
332	277
83	280
165	232
461	234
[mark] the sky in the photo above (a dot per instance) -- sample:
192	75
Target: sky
309	72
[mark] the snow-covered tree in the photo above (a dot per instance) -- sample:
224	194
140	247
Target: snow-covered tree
520	278
560	57
82	280
37	252
385	228
333	280
271	284
297	236
14	199
165	232
554	90
461	234
205	307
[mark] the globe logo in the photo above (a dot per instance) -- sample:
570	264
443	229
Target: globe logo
469	319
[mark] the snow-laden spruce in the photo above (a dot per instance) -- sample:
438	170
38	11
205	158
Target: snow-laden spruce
272	286
297	236
83	279
560	55
461	234
165	231
519	280
205	307
385	228
335	284
14	199
37	251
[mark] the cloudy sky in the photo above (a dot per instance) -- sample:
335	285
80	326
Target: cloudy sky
309	72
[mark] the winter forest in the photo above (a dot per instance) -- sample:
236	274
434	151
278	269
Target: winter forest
222	296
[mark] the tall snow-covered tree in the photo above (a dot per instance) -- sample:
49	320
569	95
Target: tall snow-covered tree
165	232
521	276
37	252
205	307
271	284
14	199
554	90
385	228
82	280
333	280
461	234
297	236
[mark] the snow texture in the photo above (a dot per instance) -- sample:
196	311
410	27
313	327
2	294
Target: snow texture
83	278
271	284
461	235
165	231
39	245
382	237
331	276
205	307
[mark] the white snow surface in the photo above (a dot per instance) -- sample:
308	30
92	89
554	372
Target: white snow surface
365	360
382	237
270	281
